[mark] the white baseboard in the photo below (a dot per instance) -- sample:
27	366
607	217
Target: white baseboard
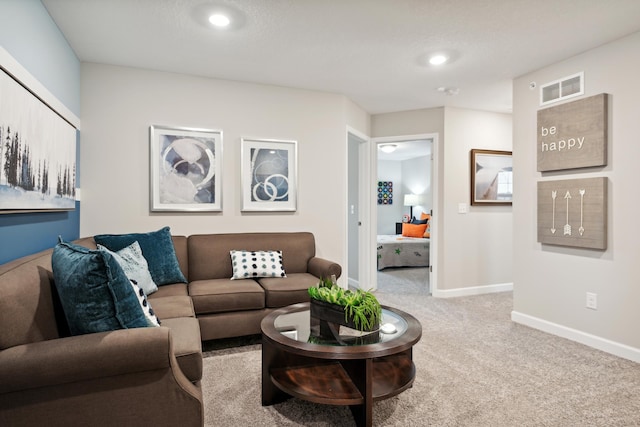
353	283
611	347
474	290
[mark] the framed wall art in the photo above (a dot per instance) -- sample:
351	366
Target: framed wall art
385	192
186	165
37	153
269	175
573	135
491	177
573	212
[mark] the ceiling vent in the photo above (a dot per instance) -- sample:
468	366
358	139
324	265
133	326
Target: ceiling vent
566	87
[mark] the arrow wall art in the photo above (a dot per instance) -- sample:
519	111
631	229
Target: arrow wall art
586	213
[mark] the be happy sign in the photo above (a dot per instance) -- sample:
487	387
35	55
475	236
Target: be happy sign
573	135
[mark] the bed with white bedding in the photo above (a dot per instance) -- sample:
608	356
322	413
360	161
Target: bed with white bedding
398	251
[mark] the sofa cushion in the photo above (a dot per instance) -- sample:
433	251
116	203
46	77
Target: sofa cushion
187	346
280	292
252	264
209	253
173	306
175	289
157	247
135	266
223	295
95	293
28	312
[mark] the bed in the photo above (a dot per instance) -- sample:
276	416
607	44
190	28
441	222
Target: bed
397	251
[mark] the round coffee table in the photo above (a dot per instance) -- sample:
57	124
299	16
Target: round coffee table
346	368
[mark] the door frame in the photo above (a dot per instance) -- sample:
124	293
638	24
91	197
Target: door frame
365	257
373	207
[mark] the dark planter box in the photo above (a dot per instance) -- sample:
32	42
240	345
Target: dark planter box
333	313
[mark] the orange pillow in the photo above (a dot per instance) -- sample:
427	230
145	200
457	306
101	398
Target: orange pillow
427	232
414	230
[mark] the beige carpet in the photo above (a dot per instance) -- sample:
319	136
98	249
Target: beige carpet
474	368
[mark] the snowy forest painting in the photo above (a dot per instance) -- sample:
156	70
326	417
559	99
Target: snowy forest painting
37	153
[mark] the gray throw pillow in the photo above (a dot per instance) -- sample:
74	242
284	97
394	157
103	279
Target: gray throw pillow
135	266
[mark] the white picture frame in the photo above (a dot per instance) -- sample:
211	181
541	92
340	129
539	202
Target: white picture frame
269	170
185	169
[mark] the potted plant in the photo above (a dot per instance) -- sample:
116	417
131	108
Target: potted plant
358	309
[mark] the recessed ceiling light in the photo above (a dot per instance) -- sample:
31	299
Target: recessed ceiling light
219	20
451	91
388	148
438	59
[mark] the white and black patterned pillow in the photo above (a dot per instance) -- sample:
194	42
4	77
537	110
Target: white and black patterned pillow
250	264
152	319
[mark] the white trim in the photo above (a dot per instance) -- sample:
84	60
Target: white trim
17	71
593	341
434	246
364	257
353	283
473	290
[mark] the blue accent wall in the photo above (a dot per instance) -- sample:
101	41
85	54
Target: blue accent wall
29	35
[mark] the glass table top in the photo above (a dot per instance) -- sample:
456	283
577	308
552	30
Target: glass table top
302	327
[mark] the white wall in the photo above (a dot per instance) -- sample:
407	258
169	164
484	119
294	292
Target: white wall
551	282
408	176
416	179
477	246
475	249
118	106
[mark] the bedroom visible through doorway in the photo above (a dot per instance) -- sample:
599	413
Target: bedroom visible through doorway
404	208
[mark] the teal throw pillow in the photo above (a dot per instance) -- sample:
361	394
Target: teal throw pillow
135	266
157	248
95	293
250	264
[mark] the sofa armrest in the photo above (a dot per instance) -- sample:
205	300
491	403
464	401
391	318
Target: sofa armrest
323	268
84	357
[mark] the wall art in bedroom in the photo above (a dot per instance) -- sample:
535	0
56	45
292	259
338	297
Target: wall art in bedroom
269	170
385	192
186	166
573	212
37	153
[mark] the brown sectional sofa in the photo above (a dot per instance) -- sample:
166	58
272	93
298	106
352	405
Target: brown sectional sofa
142	376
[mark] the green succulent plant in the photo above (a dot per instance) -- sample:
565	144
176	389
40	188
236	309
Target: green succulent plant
361	306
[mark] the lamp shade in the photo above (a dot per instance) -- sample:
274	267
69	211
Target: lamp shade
413	199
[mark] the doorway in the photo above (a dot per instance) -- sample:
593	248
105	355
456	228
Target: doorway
403	237
358	217
362	215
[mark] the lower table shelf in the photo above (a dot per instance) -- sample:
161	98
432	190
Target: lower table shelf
322	383
330	383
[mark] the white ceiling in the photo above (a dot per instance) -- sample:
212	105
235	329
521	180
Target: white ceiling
406	150
372	51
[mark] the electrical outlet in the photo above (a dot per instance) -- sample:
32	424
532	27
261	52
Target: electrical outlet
592	300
